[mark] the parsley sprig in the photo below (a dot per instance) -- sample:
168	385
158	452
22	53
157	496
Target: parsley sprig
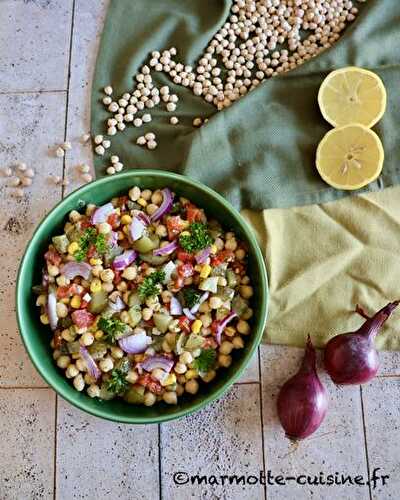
149	286
112	327
117	383
191	297
90	237
198	238
206	360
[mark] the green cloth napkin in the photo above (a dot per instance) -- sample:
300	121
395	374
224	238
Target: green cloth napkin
322	260
259	153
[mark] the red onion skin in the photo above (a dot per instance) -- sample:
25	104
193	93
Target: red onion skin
303	400
351	358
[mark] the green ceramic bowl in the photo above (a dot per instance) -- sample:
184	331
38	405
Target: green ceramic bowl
36	337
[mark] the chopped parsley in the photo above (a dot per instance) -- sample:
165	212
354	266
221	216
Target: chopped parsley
176	208
117	383
112	327
206	360
149	286
90	237
191	297
198	238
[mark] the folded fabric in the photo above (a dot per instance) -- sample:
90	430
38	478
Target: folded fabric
260	152
323	260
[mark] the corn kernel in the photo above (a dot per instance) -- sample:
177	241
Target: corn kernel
142	202
73	247
98	335
190	374
95	262
169	380
125	230
185	233
214	249
76	302
196	326
95	285
44	319
205	271
198	267
126	219
121	235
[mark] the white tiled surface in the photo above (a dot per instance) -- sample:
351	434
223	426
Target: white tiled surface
52	450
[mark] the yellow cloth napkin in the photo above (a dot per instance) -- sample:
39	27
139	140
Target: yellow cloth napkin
324	259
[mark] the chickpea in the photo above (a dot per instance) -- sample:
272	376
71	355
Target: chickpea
104	228
116	352
87	339
107	287
230	331
67	336
41	300
226	347
130	273
157	198
243	327
166	347
206	319
215	302
89	379
81	365
204	307
106	365
56	354
246	291
147	313
146	194
149	398
79	383
192	386
96	270
98	335
62	280
171	338
93	391
132	377
179	389
170	398
71	371
166	296
74	216
125	317
186	358
231	244
181	379
63	361
240	254
107	275
237	342
224	360
151	208
134	193
247	314
161	231
180	368
245	280
122	287
53	270
207	377
219	244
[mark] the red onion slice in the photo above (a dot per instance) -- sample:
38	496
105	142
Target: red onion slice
188	314
203	255
196	307
154	362
118	305
135	344
165	206
144	218
52	310
113	238
169	269
137	228
222	325
124	260
175	307
72	269
93	369
101	214
167	249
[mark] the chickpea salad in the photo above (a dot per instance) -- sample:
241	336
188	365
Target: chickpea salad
145	296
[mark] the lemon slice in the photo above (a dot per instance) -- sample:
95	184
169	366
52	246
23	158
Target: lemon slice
350	157
352	95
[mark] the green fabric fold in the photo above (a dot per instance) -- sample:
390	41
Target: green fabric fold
260	152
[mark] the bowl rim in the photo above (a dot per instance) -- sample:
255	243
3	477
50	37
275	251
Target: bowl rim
207	399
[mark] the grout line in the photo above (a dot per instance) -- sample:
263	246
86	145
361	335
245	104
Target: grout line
388	376
365	440
250	382
262	418
17	92
24	387
159	463
68	90
55	448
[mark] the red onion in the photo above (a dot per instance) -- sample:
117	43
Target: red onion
137	228
188	314
303	400
116	306
175	307
203	255
222	325
93	369
154	362
135	344
122	261
169	269
167	249
165	206
144	218
202	299
72	269
113	238
101	214
351	358
52	310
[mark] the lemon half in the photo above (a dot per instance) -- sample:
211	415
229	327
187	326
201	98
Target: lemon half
350	157
352	95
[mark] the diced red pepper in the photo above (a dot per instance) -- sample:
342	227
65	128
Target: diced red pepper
209	342
184	323
113	220
57	339
85	223
175	226
151	384
117	277
53	257
238	267
214	326
177	284
223	256
63	292
184	256
185	270
194	214
91	251
82	318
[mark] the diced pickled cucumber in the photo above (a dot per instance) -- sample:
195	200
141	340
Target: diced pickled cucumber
134	394
194	342
231	278
105	393
146	243
135	316
61	243
162	321
99	302
134	299
98	350
155	260
73	347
